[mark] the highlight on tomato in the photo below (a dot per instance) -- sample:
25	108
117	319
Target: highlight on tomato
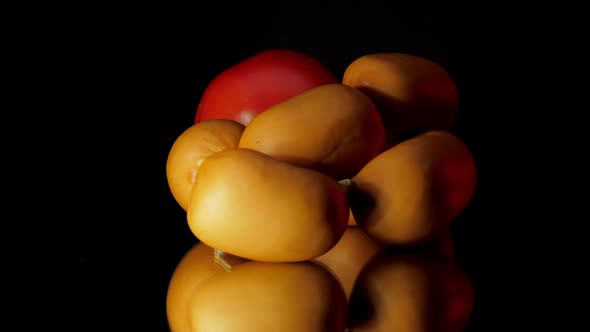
265	79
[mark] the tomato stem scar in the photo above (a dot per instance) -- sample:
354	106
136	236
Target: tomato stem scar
344	184
196	170
200	162
218	258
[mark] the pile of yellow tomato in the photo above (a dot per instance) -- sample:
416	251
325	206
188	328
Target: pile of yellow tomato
322	204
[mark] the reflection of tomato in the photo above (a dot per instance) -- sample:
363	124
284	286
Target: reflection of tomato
411	292
248	88
195	267
348	257
260	297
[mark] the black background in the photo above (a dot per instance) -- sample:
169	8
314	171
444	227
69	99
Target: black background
95	96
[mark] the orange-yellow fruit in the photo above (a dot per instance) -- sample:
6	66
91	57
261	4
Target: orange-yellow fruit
256	296
349	256
332	128
198	141
195	267
247	204
414	190
411	293
413	94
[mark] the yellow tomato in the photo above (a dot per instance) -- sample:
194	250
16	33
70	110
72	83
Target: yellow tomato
413	94
250	205
332	128
198	141
411	293
414	190
195	267
258	296
349	256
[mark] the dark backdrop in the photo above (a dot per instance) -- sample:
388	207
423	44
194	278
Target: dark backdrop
98	94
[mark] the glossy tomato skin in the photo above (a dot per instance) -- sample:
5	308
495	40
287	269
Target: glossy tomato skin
248	88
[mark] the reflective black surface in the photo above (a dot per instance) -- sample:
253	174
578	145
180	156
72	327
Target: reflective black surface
91	236
94	235
423	289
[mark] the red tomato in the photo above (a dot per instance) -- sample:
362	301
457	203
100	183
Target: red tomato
248	88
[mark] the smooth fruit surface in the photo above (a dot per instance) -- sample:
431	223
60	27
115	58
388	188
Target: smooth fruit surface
412	93
250	205
333	128
414	190
248	88
258	296
200	140
195	267
349	256
411	293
